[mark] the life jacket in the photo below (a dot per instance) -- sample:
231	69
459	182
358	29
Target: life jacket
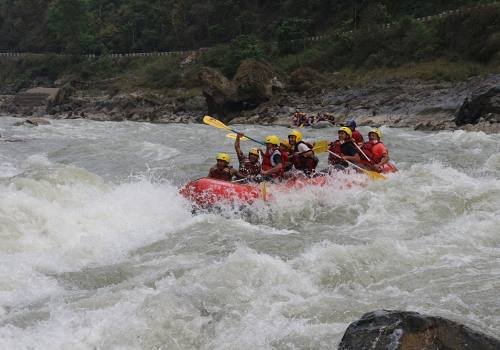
300	162
284	160
368	149
247	168
336	147
221	174
357	137
268	161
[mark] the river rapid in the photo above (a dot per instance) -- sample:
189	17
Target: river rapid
98	250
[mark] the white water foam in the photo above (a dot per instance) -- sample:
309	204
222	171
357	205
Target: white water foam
93	263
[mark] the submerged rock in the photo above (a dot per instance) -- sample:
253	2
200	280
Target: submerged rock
33	122
403	330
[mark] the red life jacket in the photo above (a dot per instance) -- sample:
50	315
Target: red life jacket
336	147
357	137
267	160
300	162
367	149
284	160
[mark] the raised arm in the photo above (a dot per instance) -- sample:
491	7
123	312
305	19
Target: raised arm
237	147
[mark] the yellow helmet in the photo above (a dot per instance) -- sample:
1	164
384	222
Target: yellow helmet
297	134
273	140
254	151
224	156
286	144
377	132
347	130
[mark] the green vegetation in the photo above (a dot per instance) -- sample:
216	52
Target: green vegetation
451	48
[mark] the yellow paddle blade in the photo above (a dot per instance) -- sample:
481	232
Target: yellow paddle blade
263	191
374	175
233	136
320	146
214	122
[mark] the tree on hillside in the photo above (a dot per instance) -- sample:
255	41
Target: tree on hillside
292	29
23	25
68	21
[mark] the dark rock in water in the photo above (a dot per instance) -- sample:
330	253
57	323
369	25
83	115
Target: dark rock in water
402	330
37	121
482	104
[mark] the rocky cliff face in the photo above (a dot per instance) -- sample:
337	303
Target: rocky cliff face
259	94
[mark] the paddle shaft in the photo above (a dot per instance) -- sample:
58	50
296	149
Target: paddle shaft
345	160
220	125
248	137
363	153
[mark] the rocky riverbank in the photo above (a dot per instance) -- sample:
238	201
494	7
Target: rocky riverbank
258	94
473	105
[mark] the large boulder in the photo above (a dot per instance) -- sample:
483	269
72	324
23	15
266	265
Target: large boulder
42	98
218	91
305	78
254	83
483	105
403	330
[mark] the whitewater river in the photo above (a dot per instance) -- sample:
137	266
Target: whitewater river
98	251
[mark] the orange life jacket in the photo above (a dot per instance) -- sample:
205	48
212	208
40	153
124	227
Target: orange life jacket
368	149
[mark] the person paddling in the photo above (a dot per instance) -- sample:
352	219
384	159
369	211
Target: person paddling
344	147
356	135
249	165
302	156
222	170
375	151
271	159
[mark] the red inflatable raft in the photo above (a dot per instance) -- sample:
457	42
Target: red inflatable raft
206	192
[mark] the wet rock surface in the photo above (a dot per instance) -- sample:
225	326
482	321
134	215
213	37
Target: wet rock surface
413	104
403	330
483	106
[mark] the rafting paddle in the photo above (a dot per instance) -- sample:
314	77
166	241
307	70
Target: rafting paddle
320	146
363	153
220	125
233	136
372	174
